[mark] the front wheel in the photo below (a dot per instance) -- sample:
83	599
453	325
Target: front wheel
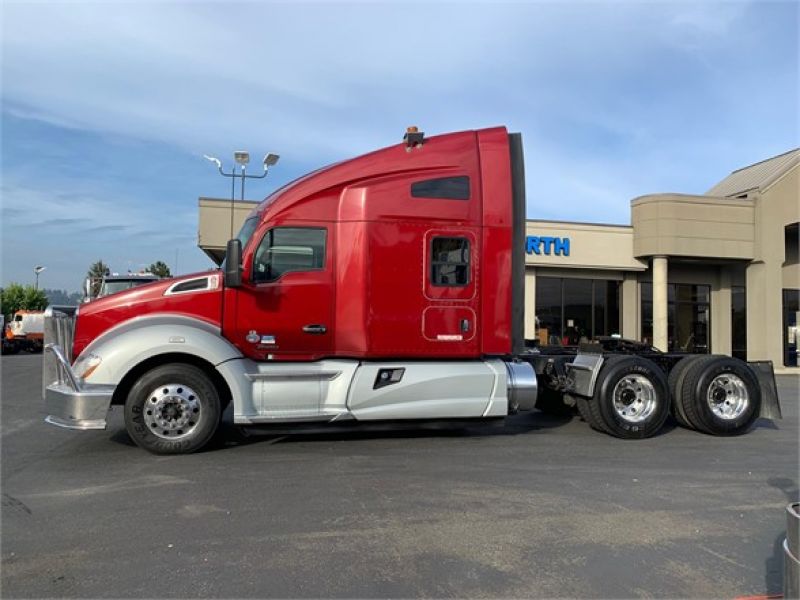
172	409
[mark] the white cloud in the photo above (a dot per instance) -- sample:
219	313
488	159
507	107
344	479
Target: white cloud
614	99
308	77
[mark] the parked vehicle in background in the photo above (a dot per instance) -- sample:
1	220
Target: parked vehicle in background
24	332
114	283
385	288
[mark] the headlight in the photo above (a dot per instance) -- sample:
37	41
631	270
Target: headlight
86	365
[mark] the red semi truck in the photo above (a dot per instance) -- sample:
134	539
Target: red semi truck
383	289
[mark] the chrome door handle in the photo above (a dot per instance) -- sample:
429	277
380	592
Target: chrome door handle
315	329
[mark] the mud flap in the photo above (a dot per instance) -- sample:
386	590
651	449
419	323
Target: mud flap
770	404
583	372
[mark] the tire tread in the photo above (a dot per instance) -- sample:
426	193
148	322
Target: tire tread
675	380
600	409
157	445
693	404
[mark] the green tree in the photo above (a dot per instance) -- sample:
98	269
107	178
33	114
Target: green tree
159	268
95	274
63	297
16	297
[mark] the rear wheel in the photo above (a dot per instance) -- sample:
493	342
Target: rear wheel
675	382
720	395
631	398
172	409
585	411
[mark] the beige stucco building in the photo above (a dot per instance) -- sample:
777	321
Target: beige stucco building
717	272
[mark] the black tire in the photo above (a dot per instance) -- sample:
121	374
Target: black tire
675	382
726	383
640	385
584	410
551	402
177	401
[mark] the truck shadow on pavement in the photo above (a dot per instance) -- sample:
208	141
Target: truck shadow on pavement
517	425
232	436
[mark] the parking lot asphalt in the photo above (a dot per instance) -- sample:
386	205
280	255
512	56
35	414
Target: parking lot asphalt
544	507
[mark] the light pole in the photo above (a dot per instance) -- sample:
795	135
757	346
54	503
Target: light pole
38	269
242	158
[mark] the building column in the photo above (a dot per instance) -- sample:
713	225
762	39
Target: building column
630	320
530	304
764	312
660	303
721	333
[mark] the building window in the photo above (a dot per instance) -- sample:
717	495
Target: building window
549	305
606	307
739	322
286	249
688	316
791	331
791	242
570	311
449	261
444	188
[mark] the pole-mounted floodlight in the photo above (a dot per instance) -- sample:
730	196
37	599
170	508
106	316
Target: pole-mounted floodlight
241	157
36	270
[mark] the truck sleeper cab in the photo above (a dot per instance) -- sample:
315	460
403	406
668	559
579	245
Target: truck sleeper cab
387	287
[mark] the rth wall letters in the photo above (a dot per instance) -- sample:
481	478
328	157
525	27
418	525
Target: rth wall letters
535	244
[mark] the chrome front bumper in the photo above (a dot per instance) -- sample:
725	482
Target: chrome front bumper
78	409
70	402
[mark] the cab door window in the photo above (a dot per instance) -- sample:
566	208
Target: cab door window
449	261
451	270
289	249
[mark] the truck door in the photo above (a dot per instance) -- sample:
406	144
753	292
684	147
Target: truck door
450	287
284	309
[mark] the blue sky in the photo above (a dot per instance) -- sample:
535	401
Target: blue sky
108	107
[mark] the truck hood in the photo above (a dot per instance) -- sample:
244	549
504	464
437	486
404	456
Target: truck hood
198	295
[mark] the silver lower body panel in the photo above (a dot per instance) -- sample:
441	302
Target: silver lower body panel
340	389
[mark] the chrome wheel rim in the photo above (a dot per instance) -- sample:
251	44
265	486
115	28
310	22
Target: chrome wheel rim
634	398
727	397
172	411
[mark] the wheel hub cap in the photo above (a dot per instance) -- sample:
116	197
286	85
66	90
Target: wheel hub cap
172	411
634	398
727	396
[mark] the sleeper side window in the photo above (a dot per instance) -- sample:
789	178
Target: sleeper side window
285	249
449	261
445	188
